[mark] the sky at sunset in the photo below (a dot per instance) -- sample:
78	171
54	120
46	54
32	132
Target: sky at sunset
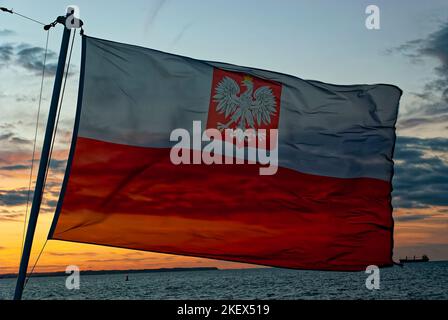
319	40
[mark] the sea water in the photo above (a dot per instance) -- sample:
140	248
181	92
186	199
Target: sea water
413	281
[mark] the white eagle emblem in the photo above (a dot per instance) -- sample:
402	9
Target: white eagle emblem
246	110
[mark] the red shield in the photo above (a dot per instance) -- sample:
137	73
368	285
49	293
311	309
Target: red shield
241	101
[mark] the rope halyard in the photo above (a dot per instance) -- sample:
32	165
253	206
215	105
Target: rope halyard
35	140
20	15
35	264
59	109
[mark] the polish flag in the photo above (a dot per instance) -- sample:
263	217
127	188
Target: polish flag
325	206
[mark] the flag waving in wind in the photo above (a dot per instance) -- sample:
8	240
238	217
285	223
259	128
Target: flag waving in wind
151	166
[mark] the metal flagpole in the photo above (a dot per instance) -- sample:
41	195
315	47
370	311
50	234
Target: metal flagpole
37	198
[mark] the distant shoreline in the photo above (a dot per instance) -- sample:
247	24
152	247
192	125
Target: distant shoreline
133	271
104	272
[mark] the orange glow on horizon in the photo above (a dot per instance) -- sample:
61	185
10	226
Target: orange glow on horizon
412	236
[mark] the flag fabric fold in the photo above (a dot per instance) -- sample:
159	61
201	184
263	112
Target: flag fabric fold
326	206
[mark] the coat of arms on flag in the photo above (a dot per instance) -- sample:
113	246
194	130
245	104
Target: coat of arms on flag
240	101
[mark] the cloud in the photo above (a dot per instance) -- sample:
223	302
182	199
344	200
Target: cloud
7	32
7	126
23	97
124	260
421	173
28	57
6	52
58	165
412	217
12	138
15	167
6	215
434	97
17	140
6	136
31	58
421	120
71	254
51	203
408	50
437	46
14	197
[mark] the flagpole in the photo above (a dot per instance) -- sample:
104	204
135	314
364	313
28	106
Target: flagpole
43	165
